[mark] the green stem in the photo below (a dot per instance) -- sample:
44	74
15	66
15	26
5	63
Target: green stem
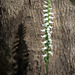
47	68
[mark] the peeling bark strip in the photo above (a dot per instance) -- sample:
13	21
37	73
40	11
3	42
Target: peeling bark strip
15	12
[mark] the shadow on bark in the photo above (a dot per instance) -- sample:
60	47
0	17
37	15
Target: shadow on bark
73	2
0	21
20	53
4	52
4	58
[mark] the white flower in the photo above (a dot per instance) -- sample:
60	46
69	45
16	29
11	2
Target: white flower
50	27
49	35
51	17
51	46
48	30
51	22
45	2
50	53
50	39
44	42
43	24
50	13
44	48
43	30
45	55
43	36
51	32
50	43
45	10
45	15
50	8
45	19
45	5
46	24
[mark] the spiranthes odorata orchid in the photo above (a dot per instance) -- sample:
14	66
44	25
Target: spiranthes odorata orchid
48	17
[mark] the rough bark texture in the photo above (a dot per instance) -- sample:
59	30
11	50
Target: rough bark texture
29	13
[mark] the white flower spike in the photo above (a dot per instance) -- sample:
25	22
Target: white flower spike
48	22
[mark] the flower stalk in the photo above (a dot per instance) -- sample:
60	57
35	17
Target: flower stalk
48	17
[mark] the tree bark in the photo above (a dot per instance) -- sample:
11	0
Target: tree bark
29	13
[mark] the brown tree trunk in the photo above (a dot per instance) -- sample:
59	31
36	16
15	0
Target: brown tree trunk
29	13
